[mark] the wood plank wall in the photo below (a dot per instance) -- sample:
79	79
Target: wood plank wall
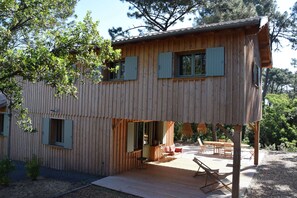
91	145
253	94
100	106
3	147
211	99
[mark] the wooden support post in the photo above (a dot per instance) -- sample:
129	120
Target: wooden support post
256	142
236	161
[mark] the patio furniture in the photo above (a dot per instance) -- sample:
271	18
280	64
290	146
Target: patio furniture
198	172
213	180
228	150
202	147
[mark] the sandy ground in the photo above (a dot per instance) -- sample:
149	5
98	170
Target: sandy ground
276	177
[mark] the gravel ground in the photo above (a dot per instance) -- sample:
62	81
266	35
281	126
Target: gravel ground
276	177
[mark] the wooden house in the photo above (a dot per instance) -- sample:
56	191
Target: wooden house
209	74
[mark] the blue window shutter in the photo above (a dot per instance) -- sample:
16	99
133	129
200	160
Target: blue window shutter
68	128
130	68
165	65
215	61
130	137
6	125
45	130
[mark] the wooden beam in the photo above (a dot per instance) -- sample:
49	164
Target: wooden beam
236	161
256	142
226	132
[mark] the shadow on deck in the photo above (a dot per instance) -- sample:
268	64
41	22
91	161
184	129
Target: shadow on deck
174	176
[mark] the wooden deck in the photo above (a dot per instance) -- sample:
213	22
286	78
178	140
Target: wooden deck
173	178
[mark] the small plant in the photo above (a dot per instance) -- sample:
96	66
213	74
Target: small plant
6	166
33	167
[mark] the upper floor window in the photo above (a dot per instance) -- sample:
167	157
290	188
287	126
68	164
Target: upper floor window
119	72
127	70
256	78
192	64
209	63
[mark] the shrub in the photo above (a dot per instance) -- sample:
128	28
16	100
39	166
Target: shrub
33	167
6	166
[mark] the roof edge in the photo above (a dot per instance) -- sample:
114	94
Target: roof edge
259	20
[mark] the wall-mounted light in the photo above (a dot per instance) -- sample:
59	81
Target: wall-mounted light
55	110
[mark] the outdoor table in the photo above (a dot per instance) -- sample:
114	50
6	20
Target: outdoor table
217	146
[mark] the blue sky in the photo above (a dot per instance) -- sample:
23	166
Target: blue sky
113	13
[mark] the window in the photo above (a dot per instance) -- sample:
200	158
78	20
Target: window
1	123
256	74
209	63
57	132
119	74
192	64
4	124
127	70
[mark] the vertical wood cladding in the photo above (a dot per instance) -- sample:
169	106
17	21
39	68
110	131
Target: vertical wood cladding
209	99
99	133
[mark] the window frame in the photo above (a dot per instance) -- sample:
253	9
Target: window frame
256	74
49	135
178	64
1	123
120	73
55	126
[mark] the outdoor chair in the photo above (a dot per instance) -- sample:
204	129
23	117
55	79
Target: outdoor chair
213	180
202	147
198	172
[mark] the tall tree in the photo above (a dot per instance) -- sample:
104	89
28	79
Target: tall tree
39	44
157	15
283	26
215	11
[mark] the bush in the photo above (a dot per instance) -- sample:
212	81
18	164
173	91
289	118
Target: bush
6	166
33	167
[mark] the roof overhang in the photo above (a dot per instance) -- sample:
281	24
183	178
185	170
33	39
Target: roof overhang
255	21
265	46
260	23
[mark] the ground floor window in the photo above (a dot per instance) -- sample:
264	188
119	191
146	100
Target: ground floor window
57	132
1	123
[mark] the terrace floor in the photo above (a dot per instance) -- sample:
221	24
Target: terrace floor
173	177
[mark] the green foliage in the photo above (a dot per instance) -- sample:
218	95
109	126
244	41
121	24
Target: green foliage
215	11
157	15
279	121
39	42
178	131
33	167
6	166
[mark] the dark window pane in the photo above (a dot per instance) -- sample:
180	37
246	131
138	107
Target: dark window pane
122	70
119	74
200	64
1	123
185	65
57	131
